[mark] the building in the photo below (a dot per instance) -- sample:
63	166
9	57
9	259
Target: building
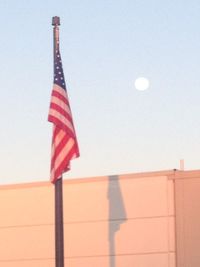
133	220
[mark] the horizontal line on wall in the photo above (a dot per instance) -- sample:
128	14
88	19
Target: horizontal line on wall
122	255
93	256
89	221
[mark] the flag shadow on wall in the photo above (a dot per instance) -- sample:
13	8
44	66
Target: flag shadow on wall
117	214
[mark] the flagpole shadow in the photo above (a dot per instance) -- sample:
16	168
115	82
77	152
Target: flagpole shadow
117	214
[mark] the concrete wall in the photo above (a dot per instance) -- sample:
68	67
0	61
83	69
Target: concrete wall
116	221
187	192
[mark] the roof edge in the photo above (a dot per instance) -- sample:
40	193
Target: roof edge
171	174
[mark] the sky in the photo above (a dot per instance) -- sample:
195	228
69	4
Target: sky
105	46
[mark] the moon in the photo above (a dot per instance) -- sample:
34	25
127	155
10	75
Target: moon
141	84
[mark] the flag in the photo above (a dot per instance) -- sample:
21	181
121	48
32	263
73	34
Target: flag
64	142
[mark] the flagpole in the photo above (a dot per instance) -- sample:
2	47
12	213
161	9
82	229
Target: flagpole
59	228
59	231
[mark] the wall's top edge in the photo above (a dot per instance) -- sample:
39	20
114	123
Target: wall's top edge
171	174
187	174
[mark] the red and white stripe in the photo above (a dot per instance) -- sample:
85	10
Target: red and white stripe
64	143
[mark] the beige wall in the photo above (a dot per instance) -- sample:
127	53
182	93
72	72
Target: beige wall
116	221
187	191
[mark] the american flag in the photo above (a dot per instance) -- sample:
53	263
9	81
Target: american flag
64	142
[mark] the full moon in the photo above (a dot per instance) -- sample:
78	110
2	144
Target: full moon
141	83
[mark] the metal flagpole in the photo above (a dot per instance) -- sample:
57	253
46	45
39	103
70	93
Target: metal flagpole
59	231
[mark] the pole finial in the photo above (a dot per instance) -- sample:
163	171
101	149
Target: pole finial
56	21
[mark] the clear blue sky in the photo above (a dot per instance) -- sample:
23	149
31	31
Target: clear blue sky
105	46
